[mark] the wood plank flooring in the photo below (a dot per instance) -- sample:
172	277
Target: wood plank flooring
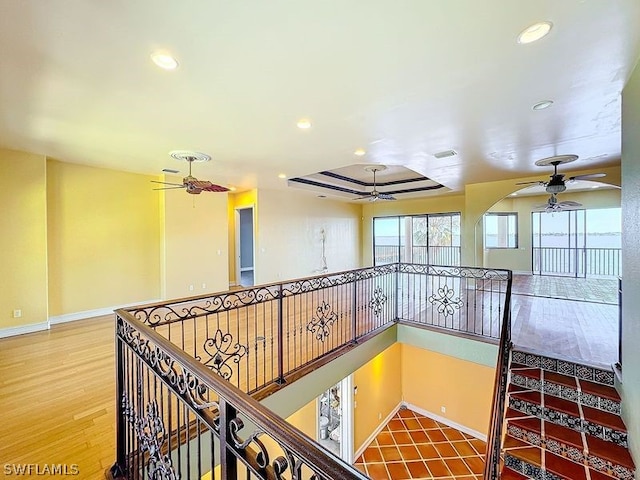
57	397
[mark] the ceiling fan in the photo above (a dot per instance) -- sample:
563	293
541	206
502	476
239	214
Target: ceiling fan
374	194
557	183
191	183
553	205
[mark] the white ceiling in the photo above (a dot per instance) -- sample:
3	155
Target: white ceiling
403	79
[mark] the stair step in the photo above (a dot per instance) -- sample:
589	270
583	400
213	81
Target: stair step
584	372
509	474
598	454
592	394
604	425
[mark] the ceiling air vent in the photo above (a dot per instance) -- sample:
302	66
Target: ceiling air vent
445	154
170	170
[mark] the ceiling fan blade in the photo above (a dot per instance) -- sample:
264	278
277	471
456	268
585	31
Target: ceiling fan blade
569	203
364	197
168	188
386	196
588	176
168	183
539	182
212	187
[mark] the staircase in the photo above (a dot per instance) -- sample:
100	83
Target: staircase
563	422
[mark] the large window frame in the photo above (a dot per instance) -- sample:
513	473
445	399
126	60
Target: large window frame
503	230
409	238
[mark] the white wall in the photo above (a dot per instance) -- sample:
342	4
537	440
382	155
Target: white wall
289	235
631	260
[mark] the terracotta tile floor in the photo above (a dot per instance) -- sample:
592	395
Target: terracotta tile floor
414	446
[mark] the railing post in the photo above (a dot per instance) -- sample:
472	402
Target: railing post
228	461
354	312
117	468
280	380
396	290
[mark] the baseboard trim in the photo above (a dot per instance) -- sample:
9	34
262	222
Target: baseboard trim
446	421
22	329
378	429
98	312
522	272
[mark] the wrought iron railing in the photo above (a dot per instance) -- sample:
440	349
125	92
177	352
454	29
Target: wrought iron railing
580	262
496	425
185	367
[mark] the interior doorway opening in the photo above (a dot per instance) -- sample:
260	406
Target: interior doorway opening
245	254
335	419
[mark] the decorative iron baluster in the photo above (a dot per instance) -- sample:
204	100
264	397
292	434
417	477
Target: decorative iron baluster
320	325
222	351
377	301
444	301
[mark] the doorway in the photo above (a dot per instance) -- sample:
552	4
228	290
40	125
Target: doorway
335	419
245	268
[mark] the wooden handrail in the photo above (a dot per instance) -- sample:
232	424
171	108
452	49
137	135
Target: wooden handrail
494	438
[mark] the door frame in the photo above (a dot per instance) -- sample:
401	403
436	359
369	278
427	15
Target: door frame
238	241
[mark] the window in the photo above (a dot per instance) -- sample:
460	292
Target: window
501	230
426	239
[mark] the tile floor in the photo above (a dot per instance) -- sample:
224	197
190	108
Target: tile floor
412	446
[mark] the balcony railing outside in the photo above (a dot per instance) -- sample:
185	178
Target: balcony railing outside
580	262
188	369
432	255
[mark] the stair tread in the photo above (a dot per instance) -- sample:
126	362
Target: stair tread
564	467
528	396
603	418
610	451
600	390
562	405
560	379
513	413
531	372
563	434
509	474
523	451
533	424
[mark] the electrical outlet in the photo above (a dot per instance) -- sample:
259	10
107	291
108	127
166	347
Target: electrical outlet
443	409
204	285
191	288
17	313
379	416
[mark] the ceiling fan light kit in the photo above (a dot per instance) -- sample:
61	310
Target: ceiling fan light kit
374	195
557	183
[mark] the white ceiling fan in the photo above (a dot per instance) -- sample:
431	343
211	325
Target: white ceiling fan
553	205
374	195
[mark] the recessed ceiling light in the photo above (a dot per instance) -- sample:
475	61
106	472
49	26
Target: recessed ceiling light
282	175
304	124
164	60
542	105
232	189
534	32
360	152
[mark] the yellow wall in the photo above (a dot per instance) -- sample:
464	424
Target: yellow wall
23	243
431	380
195	243
519	259
379	391
104	238
288	238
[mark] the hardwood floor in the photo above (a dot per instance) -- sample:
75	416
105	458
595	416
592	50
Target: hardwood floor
57	396
584	330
